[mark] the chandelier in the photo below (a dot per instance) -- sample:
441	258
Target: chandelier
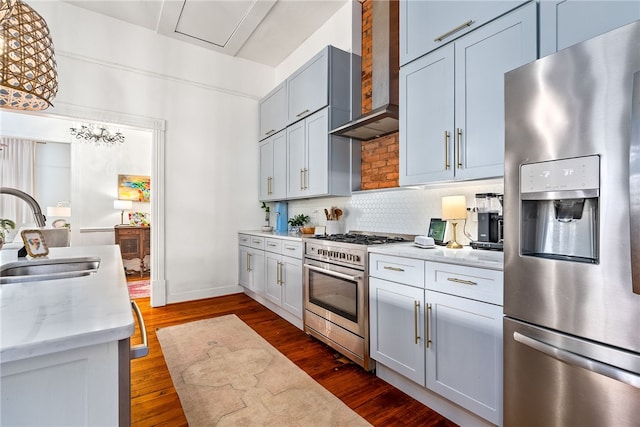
28	76
98	134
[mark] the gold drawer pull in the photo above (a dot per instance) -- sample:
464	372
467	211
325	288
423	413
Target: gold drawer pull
302	113
427	325
273	245
416	309
388	267
290	249
453	31
446	150
464	282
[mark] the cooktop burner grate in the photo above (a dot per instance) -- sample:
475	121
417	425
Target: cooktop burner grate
361	239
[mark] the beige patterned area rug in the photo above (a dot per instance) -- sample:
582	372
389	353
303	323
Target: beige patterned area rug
228	375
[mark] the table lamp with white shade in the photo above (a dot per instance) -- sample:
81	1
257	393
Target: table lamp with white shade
122	205
58	211
454	208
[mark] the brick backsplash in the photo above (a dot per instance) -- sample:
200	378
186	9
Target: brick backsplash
379	157
400	210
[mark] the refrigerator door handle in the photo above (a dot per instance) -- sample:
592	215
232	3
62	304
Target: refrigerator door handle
574	359
634	184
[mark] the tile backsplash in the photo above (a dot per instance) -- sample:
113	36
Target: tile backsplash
399	210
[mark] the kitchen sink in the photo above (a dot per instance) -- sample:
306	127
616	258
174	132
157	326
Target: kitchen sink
48	269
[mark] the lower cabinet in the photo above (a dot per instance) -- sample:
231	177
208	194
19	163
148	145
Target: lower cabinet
271	269
448	343
77	387
251	271
284	282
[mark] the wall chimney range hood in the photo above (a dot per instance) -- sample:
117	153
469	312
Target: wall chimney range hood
383	118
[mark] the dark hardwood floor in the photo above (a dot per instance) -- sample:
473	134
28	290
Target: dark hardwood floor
154	401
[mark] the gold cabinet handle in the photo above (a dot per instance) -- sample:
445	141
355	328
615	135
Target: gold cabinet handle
302	113
453	31
306	178
301	179
427	326
458	138
446	150
279	273
270	131
388	267
416	310
248	262
464	282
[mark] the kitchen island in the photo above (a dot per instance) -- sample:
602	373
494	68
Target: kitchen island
62	342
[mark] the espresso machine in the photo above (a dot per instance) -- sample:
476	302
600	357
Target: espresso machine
489	210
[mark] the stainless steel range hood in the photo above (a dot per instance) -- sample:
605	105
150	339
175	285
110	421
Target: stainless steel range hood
383	118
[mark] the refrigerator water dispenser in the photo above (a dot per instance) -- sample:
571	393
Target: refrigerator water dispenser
559	202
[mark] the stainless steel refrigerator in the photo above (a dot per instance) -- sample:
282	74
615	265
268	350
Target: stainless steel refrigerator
572	236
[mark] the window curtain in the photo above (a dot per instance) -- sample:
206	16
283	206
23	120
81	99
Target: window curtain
17	171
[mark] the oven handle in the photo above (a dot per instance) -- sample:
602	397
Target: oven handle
333	273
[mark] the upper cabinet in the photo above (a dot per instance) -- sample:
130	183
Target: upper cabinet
273	167
305	160
428	25
452	102
273	111
324	80
319	164
564	23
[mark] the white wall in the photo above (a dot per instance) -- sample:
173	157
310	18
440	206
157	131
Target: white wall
209	102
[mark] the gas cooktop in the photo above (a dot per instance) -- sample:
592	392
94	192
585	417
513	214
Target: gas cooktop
362	239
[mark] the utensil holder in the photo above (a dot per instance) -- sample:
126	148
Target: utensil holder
333	227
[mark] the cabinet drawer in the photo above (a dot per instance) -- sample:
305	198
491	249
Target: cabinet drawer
244	239
273	245
127	233
397	269
292	249
468	282
257	242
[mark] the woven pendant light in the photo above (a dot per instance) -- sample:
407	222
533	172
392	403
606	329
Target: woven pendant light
5	8
28	77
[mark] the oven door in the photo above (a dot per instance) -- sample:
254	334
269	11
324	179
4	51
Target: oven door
337	294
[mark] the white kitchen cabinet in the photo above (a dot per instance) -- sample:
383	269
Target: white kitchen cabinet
318	164
443	332
464	357
428	25
324	80
283	282
251	264
452	102
273	113
270	269
273	167
564	23
76	387
396	328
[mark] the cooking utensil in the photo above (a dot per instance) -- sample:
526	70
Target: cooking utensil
326	213
338	213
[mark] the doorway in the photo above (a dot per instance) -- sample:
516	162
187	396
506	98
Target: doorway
154	129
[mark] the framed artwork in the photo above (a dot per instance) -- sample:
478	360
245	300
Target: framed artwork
136	188
34	243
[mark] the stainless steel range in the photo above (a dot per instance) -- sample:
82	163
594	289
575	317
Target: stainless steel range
336	291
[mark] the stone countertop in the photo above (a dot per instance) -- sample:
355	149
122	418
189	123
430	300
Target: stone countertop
39	318
273	234
467	256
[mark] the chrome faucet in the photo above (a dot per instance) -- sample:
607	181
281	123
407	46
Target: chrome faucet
35	207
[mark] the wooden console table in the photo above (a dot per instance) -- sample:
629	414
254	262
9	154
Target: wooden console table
135	242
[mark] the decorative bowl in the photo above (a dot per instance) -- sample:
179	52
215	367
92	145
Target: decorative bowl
307	230
267	228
